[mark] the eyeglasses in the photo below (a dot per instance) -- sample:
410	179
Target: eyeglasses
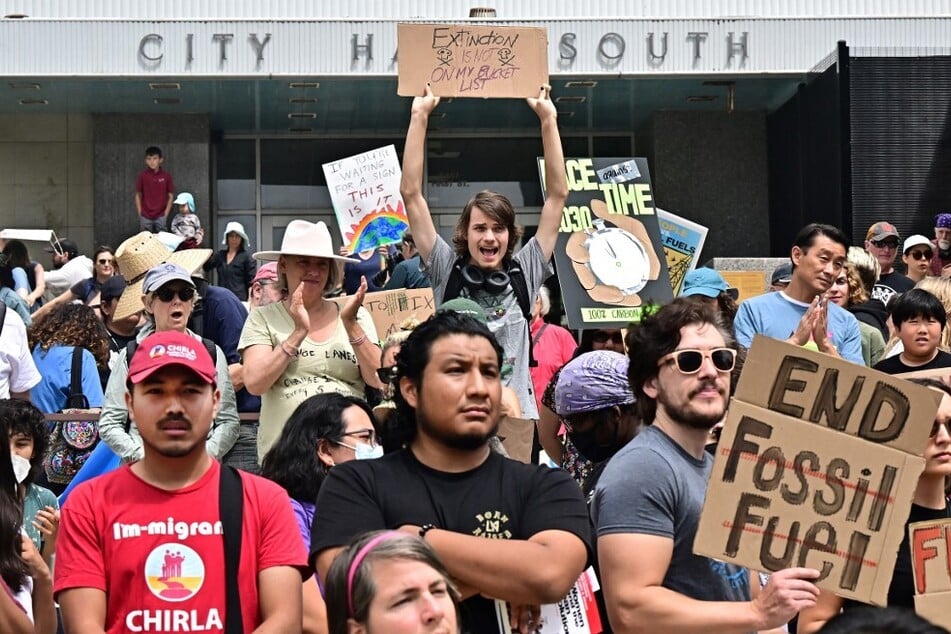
367	436
104	261
690	361
884	244
186	293
601	336
921	255
934	428
387	374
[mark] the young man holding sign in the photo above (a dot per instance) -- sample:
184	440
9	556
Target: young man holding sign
480	265
647	504
800	314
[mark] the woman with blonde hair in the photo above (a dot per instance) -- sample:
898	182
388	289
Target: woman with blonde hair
847	290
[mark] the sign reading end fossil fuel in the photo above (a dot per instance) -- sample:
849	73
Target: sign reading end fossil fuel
817	465
609	255
471	60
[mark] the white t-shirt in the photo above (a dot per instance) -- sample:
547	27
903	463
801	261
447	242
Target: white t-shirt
18	373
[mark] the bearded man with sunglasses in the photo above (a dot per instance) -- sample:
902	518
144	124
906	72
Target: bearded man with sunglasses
647	504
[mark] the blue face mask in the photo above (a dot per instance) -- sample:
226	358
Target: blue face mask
363	451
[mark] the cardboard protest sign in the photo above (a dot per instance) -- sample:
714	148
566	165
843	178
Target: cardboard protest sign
390	308
365	191
747	283
683	240
577	613
517	435
609	254
816	466
930	545
471	60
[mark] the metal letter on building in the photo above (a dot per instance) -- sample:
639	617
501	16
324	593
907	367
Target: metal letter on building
151	37
356	47
566	49
223	39
189	48
696	37
258	45
734	47
654	57
618	42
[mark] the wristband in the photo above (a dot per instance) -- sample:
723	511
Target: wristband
425	528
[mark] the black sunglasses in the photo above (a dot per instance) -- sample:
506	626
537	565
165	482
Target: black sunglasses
690	361
601	336
921	255
386	374
106	261
186	293
934	428
883	244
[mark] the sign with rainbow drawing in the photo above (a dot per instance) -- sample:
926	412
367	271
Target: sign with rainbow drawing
365	191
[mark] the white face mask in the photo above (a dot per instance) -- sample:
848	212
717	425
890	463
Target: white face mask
21	467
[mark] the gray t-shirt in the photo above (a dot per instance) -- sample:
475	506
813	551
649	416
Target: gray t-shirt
653	487
502	311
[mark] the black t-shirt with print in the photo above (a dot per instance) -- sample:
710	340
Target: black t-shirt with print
500	499
894	365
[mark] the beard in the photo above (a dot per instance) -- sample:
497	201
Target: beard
470	441
683	414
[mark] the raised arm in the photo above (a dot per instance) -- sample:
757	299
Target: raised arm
556	179
411	185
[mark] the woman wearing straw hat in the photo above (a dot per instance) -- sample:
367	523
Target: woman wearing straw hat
306	344
160	281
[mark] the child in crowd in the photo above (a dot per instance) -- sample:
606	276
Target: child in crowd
154	190
919	319
26	428
186	224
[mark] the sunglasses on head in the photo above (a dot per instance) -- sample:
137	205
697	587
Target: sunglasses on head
885	244
920	255
689	361
601	336
186	293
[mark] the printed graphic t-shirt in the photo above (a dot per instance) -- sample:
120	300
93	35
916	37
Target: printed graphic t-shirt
159	555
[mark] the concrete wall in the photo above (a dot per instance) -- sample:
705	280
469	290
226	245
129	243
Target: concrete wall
711	167
119	156
46	176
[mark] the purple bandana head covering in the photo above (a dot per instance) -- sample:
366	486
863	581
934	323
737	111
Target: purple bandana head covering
595	380
942	221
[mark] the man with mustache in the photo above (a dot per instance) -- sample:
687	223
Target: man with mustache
112	571
800	314
509	533
646	506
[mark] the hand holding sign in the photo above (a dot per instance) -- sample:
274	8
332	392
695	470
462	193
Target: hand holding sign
787	593
426	104
543	106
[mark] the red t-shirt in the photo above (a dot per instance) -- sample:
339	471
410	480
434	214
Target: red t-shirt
159	555
553	349
155	188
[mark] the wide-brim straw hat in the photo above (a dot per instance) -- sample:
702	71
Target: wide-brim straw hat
305	238
137	255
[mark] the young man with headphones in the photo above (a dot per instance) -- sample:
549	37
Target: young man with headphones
481	265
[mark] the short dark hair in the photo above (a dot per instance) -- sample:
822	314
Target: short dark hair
875	620
918	303
808	234
18	416
658	334
292	461
414	356
495	206
153	150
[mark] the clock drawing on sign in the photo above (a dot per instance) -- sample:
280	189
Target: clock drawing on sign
613	263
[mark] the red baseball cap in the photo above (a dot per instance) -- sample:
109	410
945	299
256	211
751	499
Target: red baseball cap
171	347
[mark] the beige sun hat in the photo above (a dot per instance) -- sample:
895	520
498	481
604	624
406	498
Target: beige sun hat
305	238
137	255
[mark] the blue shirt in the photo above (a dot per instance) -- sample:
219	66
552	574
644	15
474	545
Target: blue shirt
777	315
55	366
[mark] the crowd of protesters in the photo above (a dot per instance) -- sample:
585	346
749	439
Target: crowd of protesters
358	484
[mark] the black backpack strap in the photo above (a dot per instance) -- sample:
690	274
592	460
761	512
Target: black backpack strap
454	283
212	349
76	396
230	510
520	286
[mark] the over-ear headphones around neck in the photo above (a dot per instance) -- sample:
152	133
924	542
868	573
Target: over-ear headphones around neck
494	283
